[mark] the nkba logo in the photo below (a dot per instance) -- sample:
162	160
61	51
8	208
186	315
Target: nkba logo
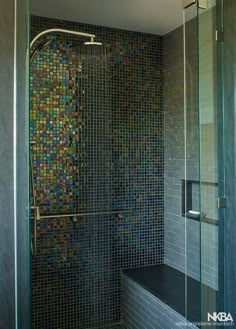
221	317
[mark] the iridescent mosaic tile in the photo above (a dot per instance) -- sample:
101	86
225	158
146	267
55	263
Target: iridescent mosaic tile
97	120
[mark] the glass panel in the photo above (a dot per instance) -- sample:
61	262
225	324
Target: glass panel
192	206
229	225
23	270
211	150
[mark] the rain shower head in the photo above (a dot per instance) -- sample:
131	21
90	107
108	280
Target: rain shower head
92	43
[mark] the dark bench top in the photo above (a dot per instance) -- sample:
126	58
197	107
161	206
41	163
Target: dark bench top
172	287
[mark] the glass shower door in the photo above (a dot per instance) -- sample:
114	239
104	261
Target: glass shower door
191	183
205	201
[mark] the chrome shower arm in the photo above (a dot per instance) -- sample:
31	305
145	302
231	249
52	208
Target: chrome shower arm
81	34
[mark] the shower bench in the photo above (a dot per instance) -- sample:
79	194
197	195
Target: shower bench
154	298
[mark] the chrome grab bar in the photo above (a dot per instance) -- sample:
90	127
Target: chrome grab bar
86	214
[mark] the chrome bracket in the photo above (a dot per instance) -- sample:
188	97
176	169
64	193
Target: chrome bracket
221	203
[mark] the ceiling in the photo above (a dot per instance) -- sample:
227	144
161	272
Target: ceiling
150	16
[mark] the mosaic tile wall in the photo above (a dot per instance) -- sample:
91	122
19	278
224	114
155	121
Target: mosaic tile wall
97	120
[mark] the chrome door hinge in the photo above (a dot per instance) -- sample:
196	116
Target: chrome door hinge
188	3
219	36
203	4
221	203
